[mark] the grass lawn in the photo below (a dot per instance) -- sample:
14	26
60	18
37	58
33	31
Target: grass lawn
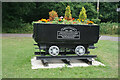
0	58
18	51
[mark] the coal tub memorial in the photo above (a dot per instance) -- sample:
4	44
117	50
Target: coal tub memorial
65	38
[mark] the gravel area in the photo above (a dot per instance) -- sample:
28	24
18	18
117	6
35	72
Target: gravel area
36	64
30	35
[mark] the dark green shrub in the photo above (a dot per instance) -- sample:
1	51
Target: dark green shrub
96	21
109	28
27	28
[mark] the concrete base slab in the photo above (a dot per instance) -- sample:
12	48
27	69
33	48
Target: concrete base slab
56	63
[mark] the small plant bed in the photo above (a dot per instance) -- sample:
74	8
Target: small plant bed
67	19
63	21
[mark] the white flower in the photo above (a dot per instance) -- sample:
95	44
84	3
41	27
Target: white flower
61	17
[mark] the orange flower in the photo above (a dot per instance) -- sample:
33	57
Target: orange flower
44	20
60	19
90	22
73	18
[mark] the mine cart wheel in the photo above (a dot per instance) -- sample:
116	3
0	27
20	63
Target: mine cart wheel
53	50
80	50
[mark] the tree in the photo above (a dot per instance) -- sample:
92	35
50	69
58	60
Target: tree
83	15
108	11
14	13
68	15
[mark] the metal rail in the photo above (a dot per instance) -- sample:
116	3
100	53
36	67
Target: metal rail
39	53
66	57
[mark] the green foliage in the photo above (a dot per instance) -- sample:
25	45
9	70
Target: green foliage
96	21
27	28
109	28
108	11
69	22
56	18
55	22
83	15
68	15
14	15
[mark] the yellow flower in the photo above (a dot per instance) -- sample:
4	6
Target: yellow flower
82	20
44	20
63	19
78	19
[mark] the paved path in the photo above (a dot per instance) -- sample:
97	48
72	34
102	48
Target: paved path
110	38
17	35
30	35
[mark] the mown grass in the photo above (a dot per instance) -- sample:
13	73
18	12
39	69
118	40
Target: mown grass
17	53
0	58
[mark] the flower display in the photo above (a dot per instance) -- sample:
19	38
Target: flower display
67	19
63	21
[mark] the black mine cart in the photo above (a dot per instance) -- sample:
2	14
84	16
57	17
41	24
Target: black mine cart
65	41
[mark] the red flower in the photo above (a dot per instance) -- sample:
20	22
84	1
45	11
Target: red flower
48	19
74	22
